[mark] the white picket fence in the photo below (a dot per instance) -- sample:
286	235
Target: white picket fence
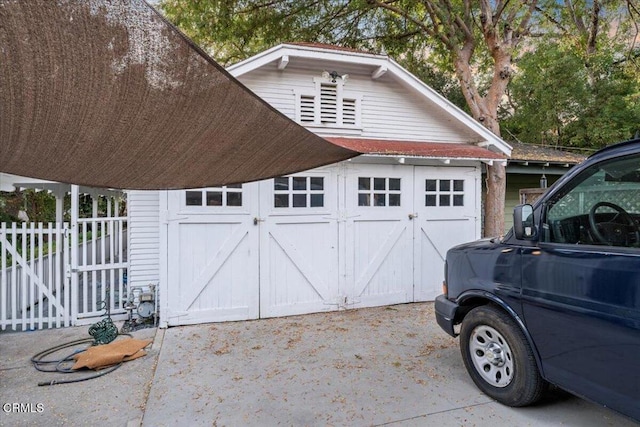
46	284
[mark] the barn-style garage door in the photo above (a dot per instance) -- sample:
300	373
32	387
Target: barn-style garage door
379	234
446	202
349	235
299	249
212	256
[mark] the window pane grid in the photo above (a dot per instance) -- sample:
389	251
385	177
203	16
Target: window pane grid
298	192
379	192
227	196
444	192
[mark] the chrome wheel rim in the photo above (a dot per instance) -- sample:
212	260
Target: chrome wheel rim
491	356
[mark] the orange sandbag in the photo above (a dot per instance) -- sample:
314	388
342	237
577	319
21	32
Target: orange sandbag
102	356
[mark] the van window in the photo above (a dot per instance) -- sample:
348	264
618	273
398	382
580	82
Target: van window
601	207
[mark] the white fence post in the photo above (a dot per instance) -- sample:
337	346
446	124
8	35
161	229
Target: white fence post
66	264
4	291
75	206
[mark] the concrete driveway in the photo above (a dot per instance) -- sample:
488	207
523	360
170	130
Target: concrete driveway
376	366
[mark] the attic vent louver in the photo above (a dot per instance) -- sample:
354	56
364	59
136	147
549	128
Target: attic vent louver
307	110
328	103
349	111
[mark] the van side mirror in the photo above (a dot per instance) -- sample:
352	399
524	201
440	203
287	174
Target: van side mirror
523	224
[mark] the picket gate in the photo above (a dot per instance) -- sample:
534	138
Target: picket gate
34	287
58	274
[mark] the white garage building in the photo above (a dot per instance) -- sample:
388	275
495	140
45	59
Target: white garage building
366	232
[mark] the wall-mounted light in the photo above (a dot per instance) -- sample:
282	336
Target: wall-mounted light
543	181
334	76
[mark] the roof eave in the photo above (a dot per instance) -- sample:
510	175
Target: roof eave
301	51
443	159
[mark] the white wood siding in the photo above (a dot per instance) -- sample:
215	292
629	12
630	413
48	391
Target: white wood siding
389	109
144	237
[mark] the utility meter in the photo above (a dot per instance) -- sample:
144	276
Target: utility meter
146	309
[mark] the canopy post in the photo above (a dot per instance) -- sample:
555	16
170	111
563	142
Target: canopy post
59	194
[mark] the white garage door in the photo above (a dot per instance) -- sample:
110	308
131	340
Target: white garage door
446	206
379	234
212	261
349	235
299	244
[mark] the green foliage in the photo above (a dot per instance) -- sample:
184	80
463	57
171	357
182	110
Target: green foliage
7	210
40	206
578	85
560	100
234	30
442	82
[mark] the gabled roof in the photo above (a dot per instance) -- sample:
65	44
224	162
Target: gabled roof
379	65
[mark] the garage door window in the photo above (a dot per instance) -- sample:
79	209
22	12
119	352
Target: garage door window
230	195
377	191
444	192
298	192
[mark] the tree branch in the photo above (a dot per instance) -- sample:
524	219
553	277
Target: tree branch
388	5
523	28
632	8
576	19
595	22
551	19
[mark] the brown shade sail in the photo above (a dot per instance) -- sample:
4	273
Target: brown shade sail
107	93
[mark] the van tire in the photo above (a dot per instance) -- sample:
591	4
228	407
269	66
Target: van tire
499	358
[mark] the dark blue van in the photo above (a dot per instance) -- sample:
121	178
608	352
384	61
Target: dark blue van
556	301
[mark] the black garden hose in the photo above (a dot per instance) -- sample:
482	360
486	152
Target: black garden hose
57	365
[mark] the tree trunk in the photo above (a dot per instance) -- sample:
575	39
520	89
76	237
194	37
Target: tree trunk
484	110
494	200
496	186
496	174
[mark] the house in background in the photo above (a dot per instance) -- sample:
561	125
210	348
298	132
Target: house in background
366	232
532	168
